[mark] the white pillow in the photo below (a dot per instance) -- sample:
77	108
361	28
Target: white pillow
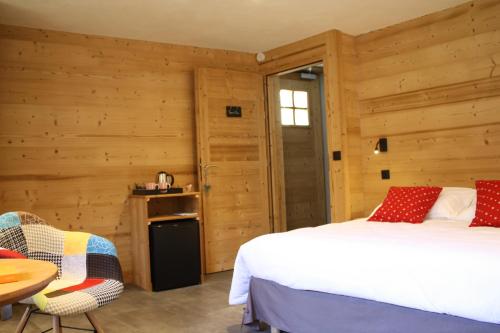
469	213
373	212
454	203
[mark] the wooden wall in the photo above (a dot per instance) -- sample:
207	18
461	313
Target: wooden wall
432	87
351	129
303	161
83	118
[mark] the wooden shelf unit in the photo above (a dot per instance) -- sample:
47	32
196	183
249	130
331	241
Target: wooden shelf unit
173	217
147	209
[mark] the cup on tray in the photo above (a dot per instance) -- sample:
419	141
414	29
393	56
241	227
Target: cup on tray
151	186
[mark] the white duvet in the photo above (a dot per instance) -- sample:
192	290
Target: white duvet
438	266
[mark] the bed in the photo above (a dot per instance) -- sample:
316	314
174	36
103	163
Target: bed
360	276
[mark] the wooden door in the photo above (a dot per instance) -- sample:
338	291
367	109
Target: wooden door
304	170
233	163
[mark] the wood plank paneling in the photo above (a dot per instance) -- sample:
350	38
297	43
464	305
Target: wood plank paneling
441	27
462	49
352	134
458	92
82	118
432	87
294	60
419	79
298	47
336	124
476	112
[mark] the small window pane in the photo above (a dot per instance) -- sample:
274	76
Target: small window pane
301	117
300	99
286	99
286	116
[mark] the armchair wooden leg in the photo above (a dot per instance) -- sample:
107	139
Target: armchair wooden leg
24	320
94	322
56	324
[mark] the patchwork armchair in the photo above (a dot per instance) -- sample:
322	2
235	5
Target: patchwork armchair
89	273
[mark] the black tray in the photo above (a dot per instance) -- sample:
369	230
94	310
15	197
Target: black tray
171	190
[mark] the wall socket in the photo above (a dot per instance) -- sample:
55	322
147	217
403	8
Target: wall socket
385	174
337	155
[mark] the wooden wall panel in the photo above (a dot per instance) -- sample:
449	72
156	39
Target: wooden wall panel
351	109
441	27
432	87
82	118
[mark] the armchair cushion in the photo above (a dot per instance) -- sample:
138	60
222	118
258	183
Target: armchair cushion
9	254
89	273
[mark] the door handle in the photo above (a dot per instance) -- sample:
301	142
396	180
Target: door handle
205	168
208	166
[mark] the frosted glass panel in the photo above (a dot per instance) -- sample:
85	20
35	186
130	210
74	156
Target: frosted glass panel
286	99
286	116
301	117
300	99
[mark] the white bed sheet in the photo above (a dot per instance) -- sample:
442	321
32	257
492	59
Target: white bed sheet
438	266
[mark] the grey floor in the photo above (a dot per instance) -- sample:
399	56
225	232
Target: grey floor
202	308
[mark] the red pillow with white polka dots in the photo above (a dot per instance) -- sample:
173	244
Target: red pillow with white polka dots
488	204
406	204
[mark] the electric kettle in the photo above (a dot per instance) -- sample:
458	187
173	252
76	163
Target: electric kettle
163	177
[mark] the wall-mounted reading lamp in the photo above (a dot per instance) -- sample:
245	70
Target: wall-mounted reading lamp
381	146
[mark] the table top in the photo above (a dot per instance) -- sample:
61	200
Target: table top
31	277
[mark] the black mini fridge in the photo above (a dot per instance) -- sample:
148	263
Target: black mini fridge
175	254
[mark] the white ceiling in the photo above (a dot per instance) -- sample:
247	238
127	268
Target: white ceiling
243	25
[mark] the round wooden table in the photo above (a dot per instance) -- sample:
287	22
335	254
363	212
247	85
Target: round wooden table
31	277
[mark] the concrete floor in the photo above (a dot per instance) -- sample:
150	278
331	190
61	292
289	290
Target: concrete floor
202	308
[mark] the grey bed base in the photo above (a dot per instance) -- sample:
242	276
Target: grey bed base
301	311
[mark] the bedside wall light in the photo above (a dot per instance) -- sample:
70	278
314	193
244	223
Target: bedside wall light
381	146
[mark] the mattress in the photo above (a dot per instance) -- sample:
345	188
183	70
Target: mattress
438	266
